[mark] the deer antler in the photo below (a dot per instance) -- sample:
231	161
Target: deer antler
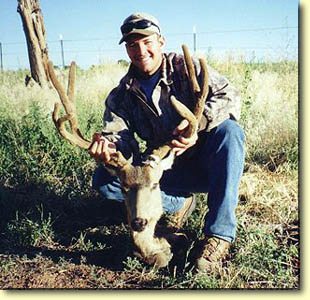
199	93
76	138
67	99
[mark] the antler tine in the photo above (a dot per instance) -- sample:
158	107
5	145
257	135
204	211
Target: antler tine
199	92
185	113
190	70
200	104
205	77
70	93
67	101
71	81
60	125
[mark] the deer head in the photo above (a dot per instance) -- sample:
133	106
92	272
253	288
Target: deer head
140	184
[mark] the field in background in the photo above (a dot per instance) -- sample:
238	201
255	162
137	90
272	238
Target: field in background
56	232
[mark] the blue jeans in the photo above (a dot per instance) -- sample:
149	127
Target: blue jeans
214	166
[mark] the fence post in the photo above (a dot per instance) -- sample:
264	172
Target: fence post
1	59
194	37
62	50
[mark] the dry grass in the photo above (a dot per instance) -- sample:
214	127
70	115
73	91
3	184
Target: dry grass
265	254
91	89
57	233
273	196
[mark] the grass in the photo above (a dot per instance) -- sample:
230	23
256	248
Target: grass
55	232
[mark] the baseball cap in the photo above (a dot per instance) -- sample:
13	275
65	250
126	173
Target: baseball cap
139	23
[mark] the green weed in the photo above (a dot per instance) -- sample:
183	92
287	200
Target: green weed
40	170
23	231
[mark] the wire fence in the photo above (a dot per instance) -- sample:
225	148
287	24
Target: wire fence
269	43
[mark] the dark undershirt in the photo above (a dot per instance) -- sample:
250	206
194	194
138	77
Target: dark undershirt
148	84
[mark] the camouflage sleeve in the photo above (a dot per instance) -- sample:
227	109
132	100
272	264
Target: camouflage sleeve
116	129
223	101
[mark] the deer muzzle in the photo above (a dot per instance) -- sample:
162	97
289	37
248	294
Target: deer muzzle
138	224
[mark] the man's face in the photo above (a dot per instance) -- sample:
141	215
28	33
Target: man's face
145	52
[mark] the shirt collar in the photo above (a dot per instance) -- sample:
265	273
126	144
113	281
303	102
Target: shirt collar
166	74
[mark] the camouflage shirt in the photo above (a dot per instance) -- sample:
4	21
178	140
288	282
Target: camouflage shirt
128	112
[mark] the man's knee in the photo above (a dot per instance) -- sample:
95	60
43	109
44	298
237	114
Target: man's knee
101	177
107	185
231	129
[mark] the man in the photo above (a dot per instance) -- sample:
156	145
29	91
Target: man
209	162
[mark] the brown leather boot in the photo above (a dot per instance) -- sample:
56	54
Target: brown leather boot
178	218
210	254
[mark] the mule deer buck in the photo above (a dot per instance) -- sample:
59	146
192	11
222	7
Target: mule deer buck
140	183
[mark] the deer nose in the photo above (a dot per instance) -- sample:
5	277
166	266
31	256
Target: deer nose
138	224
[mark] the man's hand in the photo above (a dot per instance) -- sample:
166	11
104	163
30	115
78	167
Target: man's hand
181	144
101	149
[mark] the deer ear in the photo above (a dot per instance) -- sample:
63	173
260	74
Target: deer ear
154	161
167	162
